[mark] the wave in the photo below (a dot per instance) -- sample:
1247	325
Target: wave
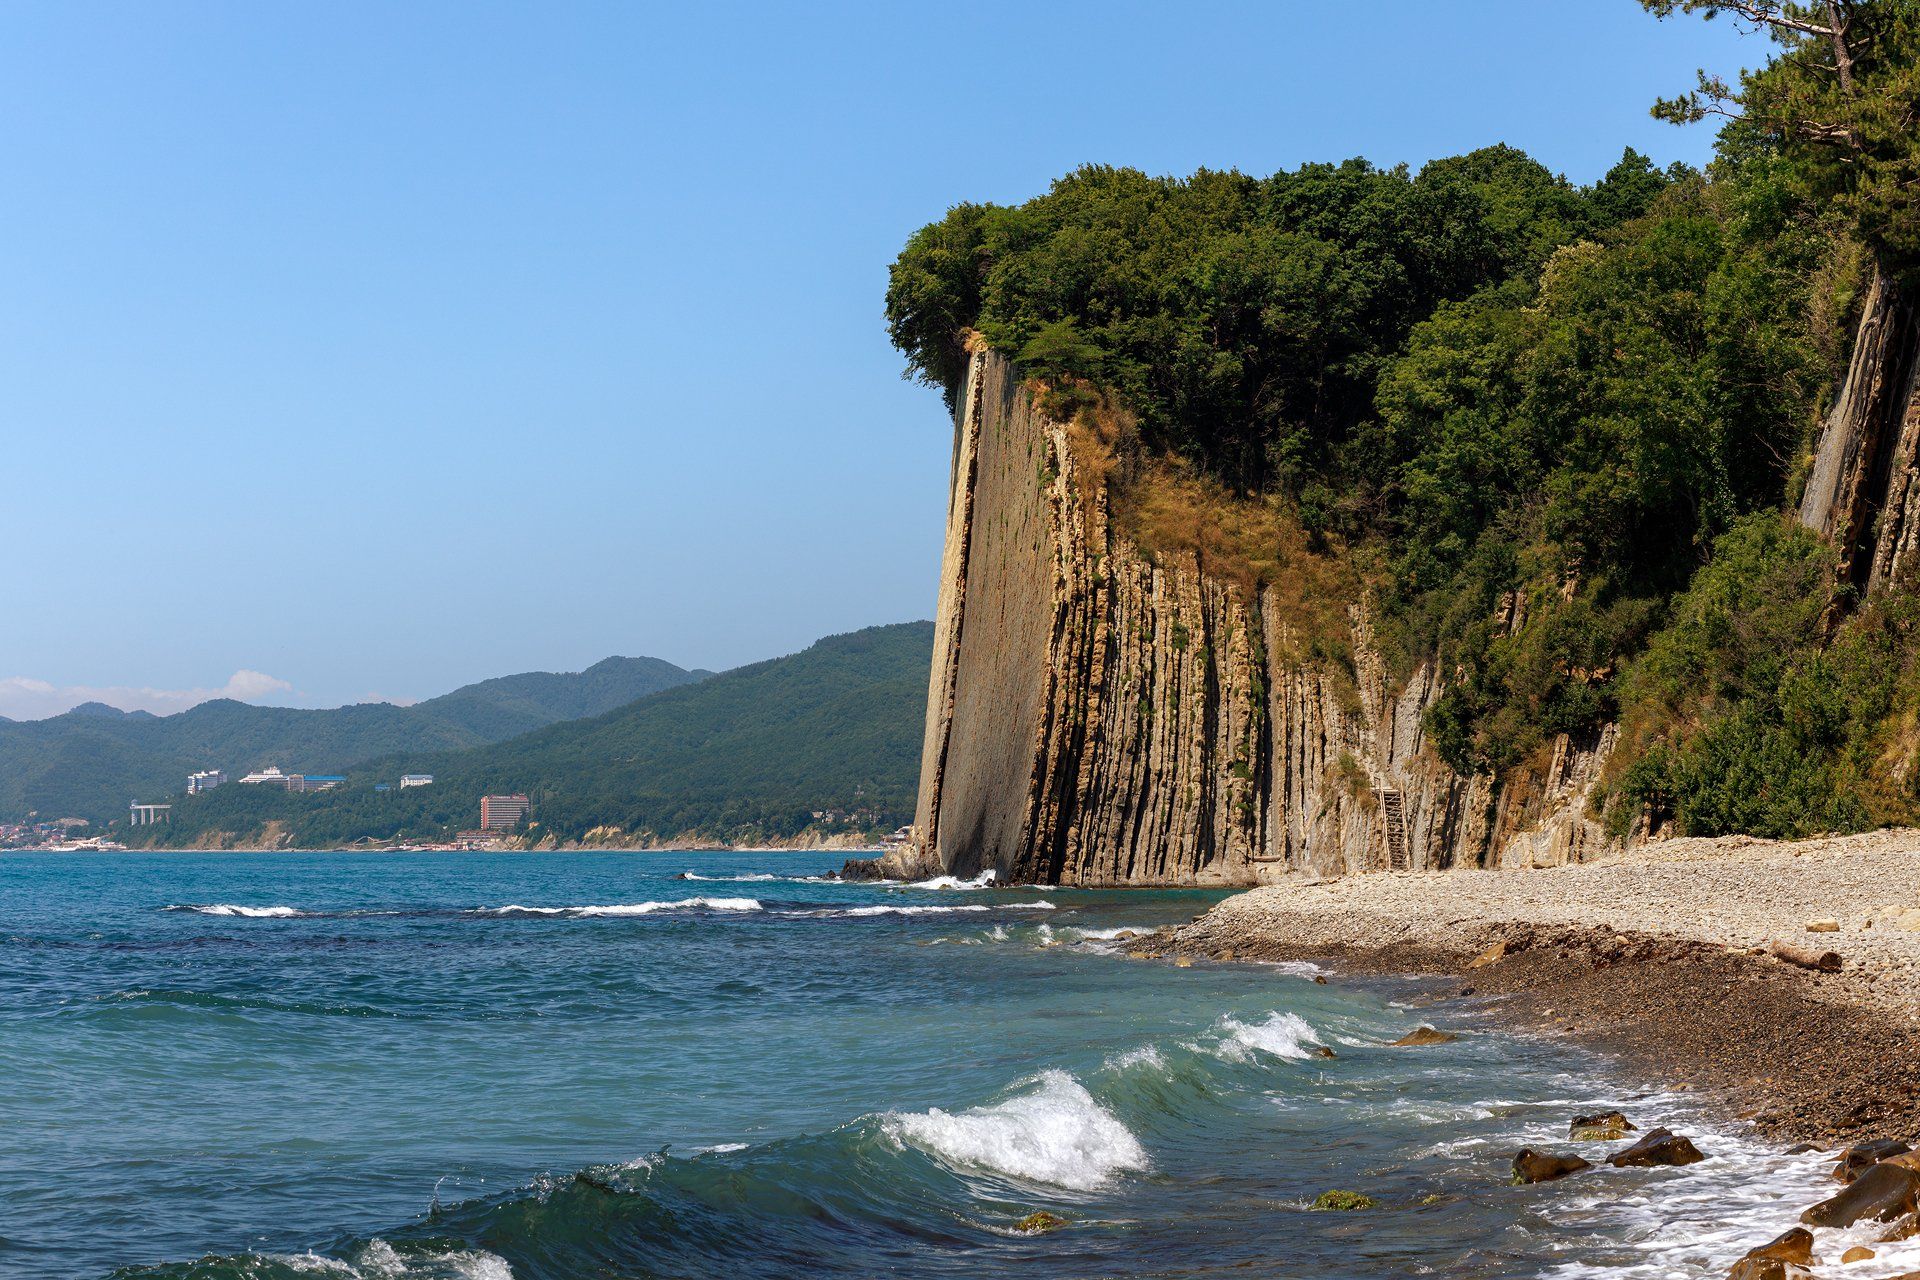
1056	1134
910	911
982	881
1280	1035
754	877
626	908
231	909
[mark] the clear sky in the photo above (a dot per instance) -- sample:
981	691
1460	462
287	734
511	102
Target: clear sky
364	350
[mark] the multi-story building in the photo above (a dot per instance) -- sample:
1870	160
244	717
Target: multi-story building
502	813
415	780
205	780
269	777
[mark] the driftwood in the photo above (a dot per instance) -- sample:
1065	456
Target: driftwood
1805	957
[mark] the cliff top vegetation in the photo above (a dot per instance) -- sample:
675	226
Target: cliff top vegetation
1522	413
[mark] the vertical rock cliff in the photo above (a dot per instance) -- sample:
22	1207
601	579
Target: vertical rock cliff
1097	718
1862	493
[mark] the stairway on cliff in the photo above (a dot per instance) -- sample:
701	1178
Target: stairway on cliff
1393	814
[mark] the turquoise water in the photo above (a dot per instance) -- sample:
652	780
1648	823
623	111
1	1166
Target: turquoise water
585	1065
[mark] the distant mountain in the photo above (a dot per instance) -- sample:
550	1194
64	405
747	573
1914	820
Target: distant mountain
746	755
91	761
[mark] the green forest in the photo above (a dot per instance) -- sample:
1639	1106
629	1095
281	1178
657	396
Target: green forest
745	756
1554	433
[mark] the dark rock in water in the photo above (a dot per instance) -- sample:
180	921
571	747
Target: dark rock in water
1883	1192
1537	1166
1608	1126
1803	1148
1768	1269
1343	1201
1321	1051
1659	1147
862	869
1794	1246
1855	1159
1039	1222
1905	1229
1425	1036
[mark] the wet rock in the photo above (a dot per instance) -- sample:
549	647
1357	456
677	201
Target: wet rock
1039	1222
1905	1229
1608	1126
1794	1246
1183	962
1855	1159
1320	979
1768	1269
1225	957
1343	1201
1882	1192
1659	1147
1424	1036
1531	1166
1859	1253
1322	1051
862	869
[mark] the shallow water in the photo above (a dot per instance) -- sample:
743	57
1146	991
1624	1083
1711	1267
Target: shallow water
584	1065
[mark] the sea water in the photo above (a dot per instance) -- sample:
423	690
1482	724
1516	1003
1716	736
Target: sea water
723	1064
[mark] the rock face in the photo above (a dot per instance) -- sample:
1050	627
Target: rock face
1096	718
1863	493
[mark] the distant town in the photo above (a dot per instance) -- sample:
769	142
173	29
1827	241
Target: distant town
500	815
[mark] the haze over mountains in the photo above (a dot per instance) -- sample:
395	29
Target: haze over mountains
91	761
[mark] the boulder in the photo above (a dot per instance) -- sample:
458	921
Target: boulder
863	869
1343	1202
1424	1036
1608	1126
1905	1229
1039	1222
1823	926
1859	1253
1855	1159
1659	1147
1322	1051
1530	1166
1882	1192
1768	1269
1794	1246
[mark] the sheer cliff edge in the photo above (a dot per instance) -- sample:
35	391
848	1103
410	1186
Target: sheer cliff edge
1100	717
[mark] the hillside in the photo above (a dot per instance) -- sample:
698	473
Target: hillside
92	760
747	755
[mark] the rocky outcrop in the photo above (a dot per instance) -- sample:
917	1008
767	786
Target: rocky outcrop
1099	717
1863	492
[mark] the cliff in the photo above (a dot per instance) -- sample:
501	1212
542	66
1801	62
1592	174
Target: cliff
1097	716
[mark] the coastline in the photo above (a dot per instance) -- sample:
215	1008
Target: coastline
1657	958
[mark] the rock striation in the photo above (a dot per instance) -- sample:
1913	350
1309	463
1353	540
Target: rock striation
1099	717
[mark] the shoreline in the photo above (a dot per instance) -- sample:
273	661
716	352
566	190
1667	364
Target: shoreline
1656	959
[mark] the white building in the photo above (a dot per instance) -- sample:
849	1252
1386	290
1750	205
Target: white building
205	780
270	777
415	780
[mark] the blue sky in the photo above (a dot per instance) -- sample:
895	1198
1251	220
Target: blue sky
361	350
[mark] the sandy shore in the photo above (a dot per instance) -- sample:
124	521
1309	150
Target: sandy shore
1652	958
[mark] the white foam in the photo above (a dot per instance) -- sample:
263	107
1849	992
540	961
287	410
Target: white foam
1281	1035
982	881
755	877
1056	1133
909	911
229	909
630	908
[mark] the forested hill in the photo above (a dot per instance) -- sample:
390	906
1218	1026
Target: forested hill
1555	434
745	756
91	761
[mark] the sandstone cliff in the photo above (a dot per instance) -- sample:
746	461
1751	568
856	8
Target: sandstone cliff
1097	718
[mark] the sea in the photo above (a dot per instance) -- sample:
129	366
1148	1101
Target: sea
572	1065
